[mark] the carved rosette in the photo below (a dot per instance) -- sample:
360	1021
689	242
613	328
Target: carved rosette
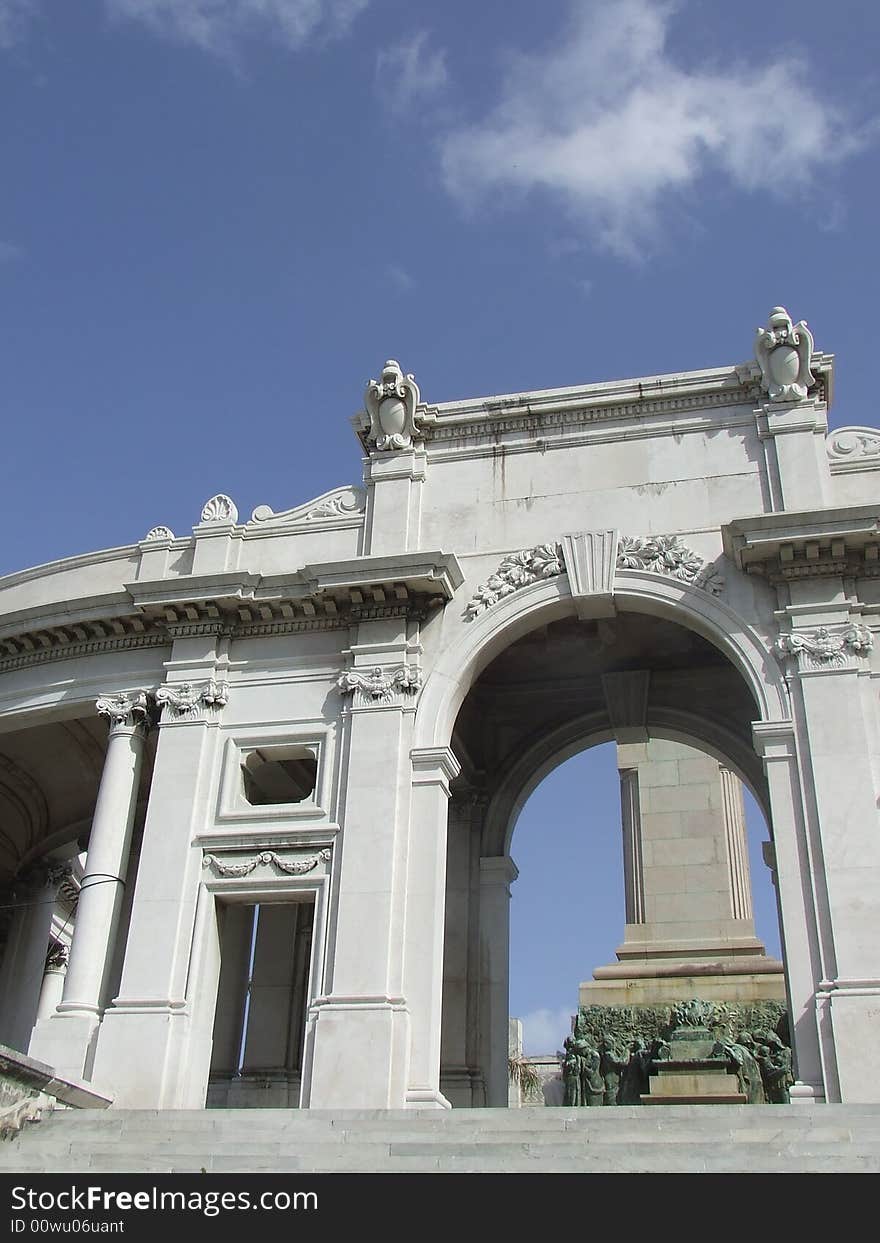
220	508
378	684
238	868
658	554
392	402
823	648
124	711
784	352
186	700
666	554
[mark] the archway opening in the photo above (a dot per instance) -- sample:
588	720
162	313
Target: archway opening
647	688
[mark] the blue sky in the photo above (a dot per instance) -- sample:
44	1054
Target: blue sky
219	217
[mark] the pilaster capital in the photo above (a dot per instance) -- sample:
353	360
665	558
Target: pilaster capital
128	710
378	685
186	700
774	740
497	871
823	649
434	766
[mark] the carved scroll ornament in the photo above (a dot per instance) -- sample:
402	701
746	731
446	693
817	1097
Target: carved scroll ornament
823	648
125	709
379	683
185	699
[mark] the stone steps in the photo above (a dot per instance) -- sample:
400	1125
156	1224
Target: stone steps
677	1138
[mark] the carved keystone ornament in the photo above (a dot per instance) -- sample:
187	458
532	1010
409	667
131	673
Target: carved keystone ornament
658	554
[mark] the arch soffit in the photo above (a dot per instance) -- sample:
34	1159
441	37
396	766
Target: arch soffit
461	663
540	758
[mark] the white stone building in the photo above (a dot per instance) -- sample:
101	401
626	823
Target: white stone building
323	724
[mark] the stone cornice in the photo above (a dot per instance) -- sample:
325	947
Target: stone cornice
844	540
234	604
565	409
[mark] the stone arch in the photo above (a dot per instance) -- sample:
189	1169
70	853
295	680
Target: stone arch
503	623
751	657
540	759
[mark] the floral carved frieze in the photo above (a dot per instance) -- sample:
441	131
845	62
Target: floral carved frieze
380	684
823	648
238	868
658	554
128	709
186	699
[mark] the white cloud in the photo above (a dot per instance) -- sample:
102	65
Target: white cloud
545	1030
400	278
216	25
14	16
610	125
408	72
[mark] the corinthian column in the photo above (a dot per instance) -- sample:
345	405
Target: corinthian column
65	1040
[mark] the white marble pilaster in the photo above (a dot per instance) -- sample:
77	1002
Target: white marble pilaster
839	727
432	770
775	742
496	876
360	1027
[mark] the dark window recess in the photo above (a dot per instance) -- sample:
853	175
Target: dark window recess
279	775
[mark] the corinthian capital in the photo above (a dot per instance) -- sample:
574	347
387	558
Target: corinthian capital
128	709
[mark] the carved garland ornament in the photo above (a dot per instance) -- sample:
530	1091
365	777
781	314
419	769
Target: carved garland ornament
658	554
380	684
666	554
822	648
244	867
